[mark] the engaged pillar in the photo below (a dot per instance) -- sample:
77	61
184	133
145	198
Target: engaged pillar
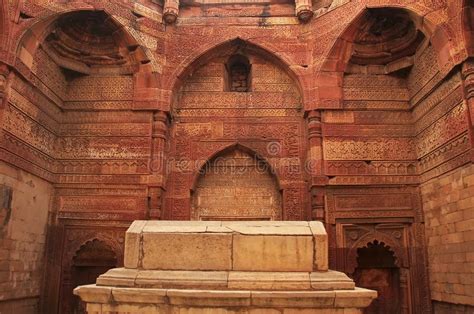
468	83
315	165
157	164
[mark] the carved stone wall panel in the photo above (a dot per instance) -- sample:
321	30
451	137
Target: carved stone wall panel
427	103
236	186
27	165
394	94
105	129
337	168
448	166
453	99
104	167
239	112
374	180
85	117
339	148
424	69
28	130
376	105
34	96
99	105
99	88
101	204
100	179
375	87
102	190
444	129
360	202
104	147
24	151
201	100
49	74
331	130
33	111
444	153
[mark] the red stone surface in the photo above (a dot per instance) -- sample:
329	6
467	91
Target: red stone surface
360	114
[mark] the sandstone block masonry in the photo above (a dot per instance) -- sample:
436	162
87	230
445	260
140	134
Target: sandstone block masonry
225	267
24	204
449	214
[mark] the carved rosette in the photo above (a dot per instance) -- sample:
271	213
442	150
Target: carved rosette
170	11
304	10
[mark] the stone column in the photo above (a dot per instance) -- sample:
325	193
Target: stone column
404	287
170	11
468	83
315	165
157	165
304	10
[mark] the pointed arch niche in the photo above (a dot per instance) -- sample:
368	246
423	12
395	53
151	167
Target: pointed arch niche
236	185
237	92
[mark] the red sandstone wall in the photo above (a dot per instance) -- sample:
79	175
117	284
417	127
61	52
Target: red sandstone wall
448	205
23	227
268	121
96	138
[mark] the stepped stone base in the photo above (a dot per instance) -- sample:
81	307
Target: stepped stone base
225	267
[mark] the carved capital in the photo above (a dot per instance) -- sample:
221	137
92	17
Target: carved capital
170	11
314	123
4	71
468	78
304	10
160	124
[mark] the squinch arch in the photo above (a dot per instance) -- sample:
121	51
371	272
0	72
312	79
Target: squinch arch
336	62
33	36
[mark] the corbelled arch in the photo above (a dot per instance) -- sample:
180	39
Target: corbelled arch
36	33
330	74
207	52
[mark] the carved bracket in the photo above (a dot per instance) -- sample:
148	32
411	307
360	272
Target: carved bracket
170	11
304	10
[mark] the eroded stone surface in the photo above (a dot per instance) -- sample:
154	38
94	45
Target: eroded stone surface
187	251
272	253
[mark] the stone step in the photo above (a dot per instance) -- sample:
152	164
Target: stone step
226	280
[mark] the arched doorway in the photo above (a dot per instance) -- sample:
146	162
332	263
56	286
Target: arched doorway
236	185
377	270
92	260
